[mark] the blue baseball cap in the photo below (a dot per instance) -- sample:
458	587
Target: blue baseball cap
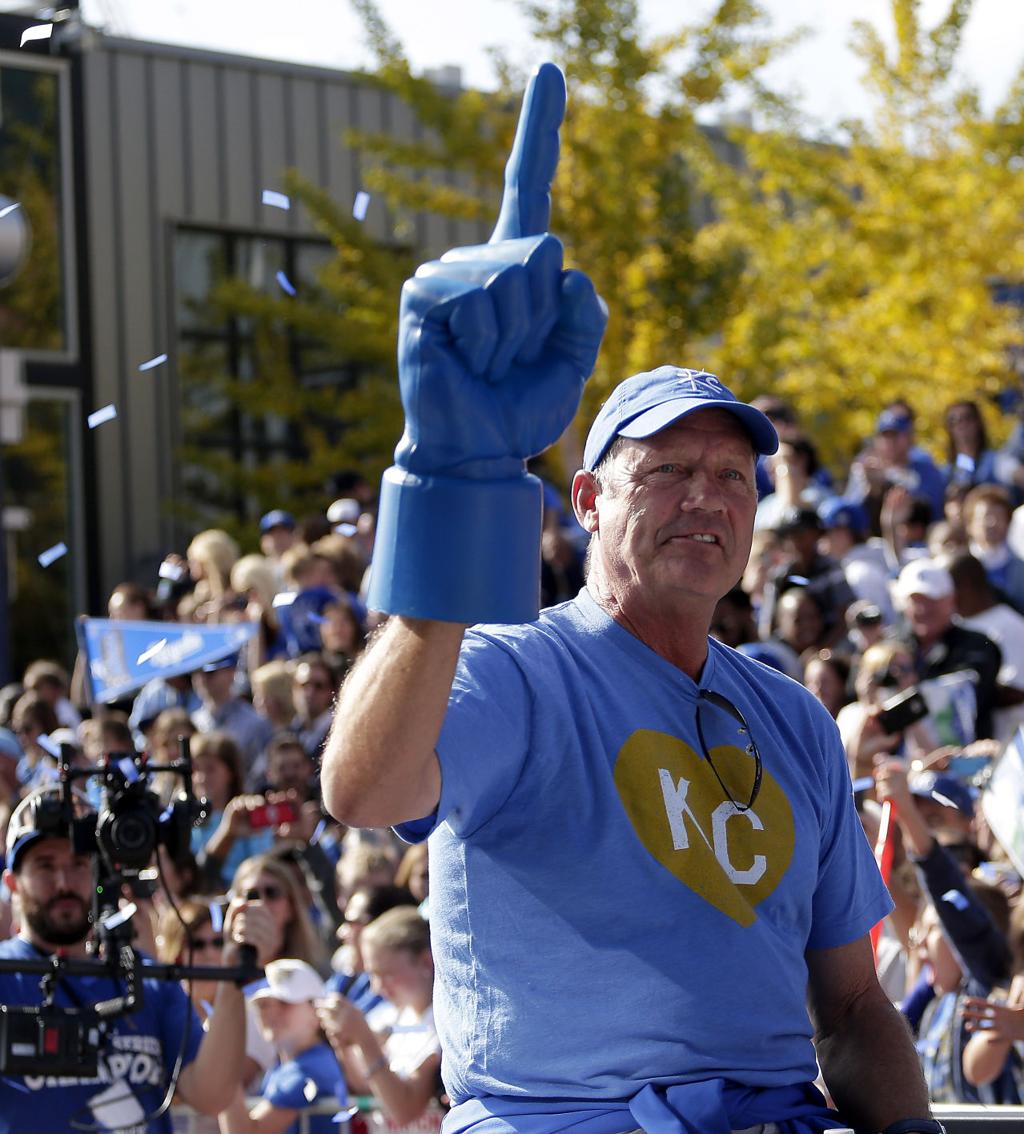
947	790
835	512
892	421
278	518
229	661
650	402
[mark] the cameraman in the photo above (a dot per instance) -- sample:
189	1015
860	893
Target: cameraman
53	887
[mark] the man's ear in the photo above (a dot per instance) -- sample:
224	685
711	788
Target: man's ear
585	491
11	881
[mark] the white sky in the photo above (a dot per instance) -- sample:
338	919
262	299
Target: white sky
436	32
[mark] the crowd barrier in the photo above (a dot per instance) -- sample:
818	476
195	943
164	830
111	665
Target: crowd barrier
957	1119
368	1120
981	1119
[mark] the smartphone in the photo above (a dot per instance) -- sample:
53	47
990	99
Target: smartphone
901	712
272	815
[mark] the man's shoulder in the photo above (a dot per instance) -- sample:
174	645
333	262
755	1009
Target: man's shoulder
565	622
16	948
963	637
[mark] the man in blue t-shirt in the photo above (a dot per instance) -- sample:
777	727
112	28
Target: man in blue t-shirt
649	891
53	887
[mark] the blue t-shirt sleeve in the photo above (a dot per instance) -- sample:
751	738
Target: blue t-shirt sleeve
285	1087
305	1081
484	740
850	897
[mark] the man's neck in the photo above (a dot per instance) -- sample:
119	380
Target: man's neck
76	949
679	635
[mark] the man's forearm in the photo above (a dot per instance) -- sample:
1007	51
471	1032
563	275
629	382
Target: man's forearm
871	1068
379	766
211	1080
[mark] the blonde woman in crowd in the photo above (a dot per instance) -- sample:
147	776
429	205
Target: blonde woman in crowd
211	555
271	881
399	1066
272	693
254	580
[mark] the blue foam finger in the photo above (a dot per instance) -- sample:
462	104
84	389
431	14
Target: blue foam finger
526	202
495	344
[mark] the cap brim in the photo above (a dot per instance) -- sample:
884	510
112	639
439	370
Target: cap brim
646	424
276	994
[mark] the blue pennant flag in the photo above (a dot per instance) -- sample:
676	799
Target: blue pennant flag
123	655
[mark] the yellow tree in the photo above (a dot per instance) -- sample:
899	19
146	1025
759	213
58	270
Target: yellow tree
625	202
870	260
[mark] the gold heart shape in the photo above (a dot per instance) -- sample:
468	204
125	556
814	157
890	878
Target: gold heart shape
732	859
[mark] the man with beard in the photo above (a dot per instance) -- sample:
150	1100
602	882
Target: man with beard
52	886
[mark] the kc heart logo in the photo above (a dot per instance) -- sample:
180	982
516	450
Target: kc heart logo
733	859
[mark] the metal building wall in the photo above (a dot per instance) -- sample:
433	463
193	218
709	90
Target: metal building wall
178	136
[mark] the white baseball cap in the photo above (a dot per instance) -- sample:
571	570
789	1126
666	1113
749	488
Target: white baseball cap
923	577
292	981
344	511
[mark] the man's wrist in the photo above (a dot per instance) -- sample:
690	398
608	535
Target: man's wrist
457	550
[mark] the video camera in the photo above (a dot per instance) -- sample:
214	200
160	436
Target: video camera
121	836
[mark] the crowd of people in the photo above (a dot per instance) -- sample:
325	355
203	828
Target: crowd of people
903	576
651	810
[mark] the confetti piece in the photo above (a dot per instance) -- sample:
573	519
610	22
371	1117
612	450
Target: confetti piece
944	800
345	1115
865	783
98	417
9	209
346	529
309	1090
318	833
52	554
285	598
963	461
40	31
172	571
799	580
276	200
284	282
216	917
151	652
48	745
955	899
207	1008
153	362
362	203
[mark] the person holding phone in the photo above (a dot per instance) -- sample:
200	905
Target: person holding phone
634	831
926	596
227	836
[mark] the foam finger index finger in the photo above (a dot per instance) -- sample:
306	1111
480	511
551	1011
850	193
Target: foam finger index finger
526	201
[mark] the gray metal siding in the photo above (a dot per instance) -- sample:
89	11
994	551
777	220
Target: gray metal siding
183	137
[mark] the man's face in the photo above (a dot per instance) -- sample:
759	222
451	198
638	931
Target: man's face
289	768
277	541
836	542
675	514
989	524
929	617
217	685
799	620
893	446
54	888
312	690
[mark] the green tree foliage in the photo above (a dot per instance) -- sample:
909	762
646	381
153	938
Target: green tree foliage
869	260
624	202
838	272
